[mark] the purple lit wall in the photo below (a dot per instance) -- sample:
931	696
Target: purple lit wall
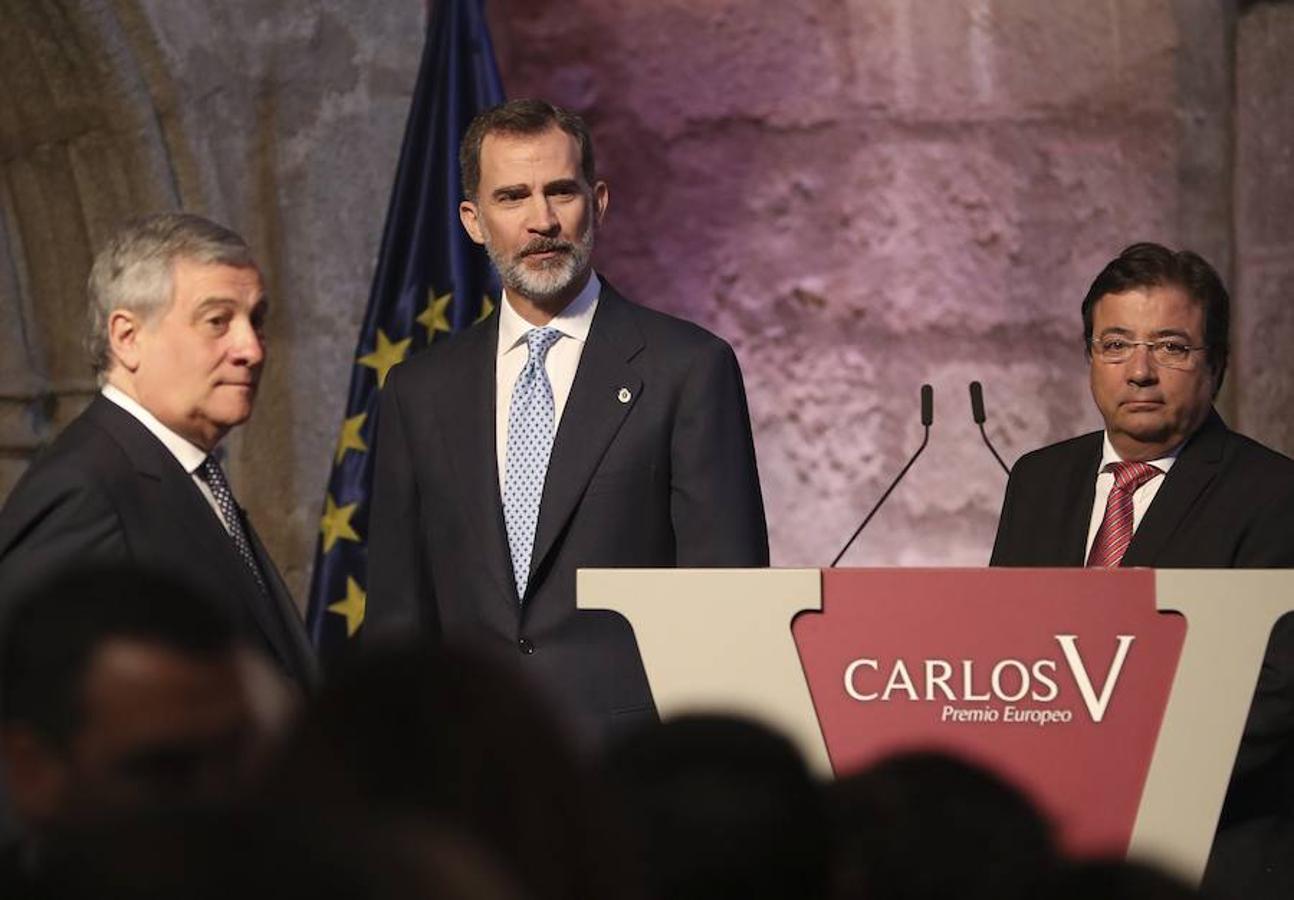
866	196
860	195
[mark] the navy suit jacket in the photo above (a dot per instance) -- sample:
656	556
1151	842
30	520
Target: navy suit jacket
1227	502
108	491
666	477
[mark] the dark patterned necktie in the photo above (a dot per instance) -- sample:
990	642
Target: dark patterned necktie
1115	534
214	476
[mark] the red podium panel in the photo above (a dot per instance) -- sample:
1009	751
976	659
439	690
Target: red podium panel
1117	699
1059	687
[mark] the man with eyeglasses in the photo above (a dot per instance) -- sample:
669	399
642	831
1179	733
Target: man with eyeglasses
1167	484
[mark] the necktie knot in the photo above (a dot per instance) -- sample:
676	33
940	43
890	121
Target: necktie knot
210	470
539	341
1115	532
1129	476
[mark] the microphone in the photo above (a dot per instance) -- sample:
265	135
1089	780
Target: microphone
927	419
977	413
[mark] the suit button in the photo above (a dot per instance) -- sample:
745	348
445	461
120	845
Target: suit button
525	646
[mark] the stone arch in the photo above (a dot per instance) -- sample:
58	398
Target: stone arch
82	146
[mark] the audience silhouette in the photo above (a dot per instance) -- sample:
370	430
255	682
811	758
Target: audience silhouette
148	755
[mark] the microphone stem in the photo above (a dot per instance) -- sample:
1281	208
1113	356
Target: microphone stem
893	484
991	449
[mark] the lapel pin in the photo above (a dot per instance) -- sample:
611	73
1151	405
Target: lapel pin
624	396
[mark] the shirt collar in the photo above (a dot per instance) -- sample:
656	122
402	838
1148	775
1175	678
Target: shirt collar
187	454
573	322
1110	455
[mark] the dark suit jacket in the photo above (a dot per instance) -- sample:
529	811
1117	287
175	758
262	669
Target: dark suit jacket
1227	502
665	479
107	491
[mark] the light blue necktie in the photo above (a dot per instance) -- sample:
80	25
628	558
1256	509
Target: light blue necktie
530	441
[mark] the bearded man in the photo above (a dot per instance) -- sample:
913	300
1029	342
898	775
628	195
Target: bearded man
571	429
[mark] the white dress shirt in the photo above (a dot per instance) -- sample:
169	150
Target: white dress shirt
561	362
189	456
1141	498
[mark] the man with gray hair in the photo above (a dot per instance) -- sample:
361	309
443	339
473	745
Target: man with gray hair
177	309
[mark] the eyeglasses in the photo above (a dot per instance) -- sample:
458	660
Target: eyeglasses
1168	352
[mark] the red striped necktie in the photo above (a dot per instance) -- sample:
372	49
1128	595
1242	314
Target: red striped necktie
1115	534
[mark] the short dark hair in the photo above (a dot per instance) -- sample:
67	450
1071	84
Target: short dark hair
52	631
1147	265
521	117
993	841
734	787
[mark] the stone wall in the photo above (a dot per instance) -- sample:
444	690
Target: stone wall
866	196
1264	224
861	196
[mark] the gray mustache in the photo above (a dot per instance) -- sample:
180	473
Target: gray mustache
546	245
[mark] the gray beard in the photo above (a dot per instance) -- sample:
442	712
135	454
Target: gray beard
555	278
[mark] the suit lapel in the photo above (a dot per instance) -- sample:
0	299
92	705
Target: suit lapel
1079	482
1195	468
177	499
146	453
470	416
177	494
594	412
296	647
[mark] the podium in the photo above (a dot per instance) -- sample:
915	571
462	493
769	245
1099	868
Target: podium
1115	698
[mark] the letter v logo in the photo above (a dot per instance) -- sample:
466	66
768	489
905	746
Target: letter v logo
1095	705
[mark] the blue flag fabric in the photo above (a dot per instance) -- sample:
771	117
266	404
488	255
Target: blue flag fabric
430	280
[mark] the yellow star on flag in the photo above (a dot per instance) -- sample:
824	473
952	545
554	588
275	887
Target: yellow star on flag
352	607
386	355
434	317
350	438
335	524
487	307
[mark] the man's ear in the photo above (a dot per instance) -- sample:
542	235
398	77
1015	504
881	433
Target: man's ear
35	774
467	214
601	196
124	327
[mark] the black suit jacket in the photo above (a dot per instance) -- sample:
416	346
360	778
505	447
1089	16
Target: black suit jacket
1227	502
107	491
667	478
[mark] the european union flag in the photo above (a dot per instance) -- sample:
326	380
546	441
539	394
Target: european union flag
430	280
